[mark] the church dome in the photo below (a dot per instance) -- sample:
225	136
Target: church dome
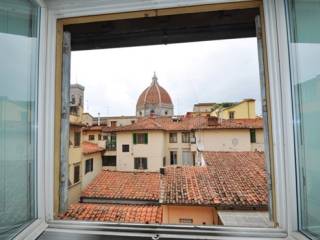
154	100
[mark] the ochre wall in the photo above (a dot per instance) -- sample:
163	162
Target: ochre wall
245	109
199	215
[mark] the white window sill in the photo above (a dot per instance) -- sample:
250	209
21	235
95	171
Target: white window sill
95	230
33	231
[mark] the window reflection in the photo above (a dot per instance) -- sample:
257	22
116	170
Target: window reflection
18	82
304	46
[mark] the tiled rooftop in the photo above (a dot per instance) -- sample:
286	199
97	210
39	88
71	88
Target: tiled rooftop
144	186
186	123
187	185
89	148
149	214
230	180
239	178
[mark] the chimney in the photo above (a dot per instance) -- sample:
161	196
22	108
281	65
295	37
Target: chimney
98	119
213	121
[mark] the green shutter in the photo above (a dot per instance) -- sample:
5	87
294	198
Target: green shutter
134	138
146	138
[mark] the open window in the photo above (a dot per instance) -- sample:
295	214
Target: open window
207	144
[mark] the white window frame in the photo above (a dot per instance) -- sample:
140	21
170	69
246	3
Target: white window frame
282	132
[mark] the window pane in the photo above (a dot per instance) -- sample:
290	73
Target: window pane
304	20
18	95
110	161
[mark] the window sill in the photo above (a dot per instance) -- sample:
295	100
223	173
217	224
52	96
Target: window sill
33	230
59	229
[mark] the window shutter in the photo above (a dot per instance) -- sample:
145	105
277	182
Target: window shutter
144	163
146	138
134	137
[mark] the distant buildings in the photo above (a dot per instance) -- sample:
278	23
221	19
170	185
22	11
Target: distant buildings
159	168
155	142
246	109
84	155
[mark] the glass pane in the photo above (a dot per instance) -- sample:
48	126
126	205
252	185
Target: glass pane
304	21
18	94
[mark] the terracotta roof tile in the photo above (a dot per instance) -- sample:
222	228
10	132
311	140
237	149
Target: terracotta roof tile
124	185
149	214
239	178
186	123
187	186
89	148
229	180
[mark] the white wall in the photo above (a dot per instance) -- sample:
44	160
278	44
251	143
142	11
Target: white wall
225	139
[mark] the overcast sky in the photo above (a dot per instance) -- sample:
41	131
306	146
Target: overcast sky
210	71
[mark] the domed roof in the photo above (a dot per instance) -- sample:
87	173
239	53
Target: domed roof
154	94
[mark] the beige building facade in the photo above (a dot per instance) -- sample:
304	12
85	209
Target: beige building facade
164	147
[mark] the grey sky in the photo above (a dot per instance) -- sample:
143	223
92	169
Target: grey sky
210	71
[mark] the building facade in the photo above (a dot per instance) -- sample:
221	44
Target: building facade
155	142
85	147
